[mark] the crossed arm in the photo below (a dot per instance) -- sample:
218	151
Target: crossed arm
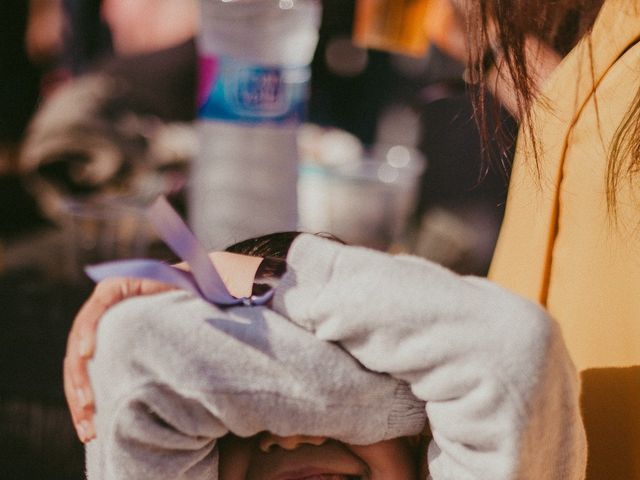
501	391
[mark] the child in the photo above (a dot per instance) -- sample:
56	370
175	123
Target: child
336	379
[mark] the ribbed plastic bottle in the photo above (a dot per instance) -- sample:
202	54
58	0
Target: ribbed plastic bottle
253	86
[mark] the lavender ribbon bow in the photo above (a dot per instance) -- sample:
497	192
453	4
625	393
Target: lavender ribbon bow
203	280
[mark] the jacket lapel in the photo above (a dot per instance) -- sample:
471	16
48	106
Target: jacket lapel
523	255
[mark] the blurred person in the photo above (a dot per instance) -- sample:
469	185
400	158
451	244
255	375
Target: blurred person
124	126
43	37
149	25
336	392
44	43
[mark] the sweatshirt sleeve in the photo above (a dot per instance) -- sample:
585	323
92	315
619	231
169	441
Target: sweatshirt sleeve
172	374
501	391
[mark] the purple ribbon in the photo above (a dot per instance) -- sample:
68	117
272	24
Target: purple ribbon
203	280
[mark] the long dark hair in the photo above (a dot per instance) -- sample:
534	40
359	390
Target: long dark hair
505	25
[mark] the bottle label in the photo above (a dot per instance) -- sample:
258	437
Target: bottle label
235	91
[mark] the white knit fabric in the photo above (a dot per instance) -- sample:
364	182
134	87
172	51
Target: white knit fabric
172	373
501	390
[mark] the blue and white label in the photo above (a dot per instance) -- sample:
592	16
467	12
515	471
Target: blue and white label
235	91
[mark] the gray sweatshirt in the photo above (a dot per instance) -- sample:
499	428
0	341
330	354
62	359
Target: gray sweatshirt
172	374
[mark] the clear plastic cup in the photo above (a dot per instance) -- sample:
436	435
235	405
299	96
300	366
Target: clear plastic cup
368	202
395	25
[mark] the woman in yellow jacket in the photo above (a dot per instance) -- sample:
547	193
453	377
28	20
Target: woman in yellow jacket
571	235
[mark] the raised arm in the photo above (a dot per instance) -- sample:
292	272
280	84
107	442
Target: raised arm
501	391
172	374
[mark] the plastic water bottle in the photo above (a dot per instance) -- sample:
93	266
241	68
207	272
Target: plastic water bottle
254	74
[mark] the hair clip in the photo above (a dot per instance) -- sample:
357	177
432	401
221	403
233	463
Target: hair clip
257	300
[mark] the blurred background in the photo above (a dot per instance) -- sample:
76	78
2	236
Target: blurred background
97	112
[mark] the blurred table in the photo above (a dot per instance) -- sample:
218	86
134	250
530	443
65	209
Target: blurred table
37	439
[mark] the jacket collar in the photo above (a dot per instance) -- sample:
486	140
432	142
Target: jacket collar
523	255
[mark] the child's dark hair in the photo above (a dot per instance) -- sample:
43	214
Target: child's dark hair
273	248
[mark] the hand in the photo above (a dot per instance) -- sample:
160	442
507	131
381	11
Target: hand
237	271
82	341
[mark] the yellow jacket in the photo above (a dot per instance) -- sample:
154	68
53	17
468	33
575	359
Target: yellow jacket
560	245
